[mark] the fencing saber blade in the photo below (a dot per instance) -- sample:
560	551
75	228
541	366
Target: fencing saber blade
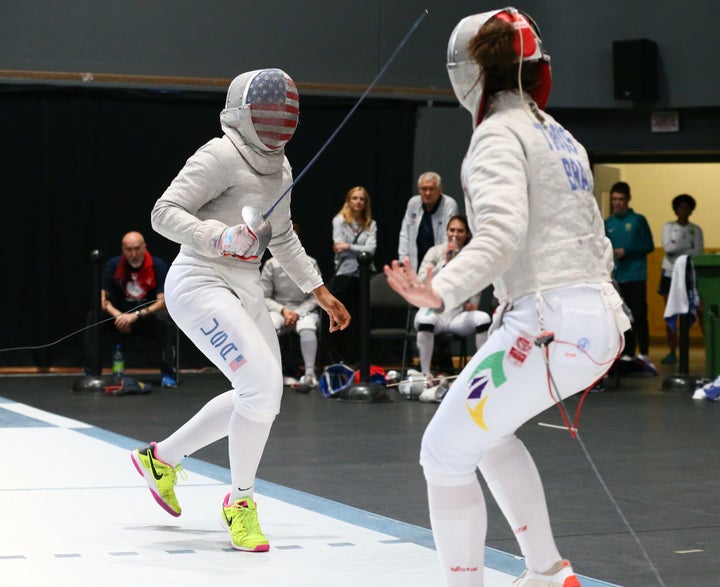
423	380
256	220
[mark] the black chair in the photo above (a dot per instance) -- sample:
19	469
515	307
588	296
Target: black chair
391	317
454	341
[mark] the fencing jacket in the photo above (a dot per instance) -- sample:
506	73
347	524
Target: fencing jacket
208	195
530	203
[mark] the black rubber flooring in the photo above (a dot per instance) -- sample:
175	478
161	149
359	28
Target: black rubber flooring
656	451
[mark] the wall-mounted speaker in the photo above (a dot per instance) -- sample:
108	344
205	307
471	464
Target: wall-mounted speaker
635	70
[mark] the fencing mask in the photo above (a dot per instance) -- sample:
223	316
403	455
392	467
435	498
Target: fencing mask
261	115
466	76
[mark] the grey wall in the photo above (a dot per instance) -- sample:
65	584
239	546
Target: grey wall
441	139
345	42
336	47
579	37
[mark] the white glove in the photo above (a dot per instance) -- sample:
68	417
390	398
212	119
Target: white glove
237	241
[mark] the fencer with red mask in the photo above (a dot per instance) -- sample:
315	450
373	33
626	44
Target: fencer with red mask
538	237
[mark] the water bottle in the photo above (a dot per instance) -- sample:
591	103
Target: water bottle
118	365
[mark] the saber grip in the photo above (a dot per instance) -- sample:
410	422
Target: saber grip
260	227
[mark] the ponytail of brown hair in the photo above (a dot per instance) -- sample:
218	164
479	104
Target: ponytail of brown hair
493	49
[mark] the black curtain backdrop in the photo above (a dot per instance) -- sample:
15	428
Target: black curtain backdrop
80	167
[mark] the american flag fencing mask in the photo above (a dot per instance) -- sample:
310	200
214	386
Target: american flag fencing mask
274	107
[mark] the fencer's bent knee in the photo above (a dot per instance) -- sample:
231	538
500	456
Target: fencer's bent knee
451	502
261	406
440	479
257	393
439	465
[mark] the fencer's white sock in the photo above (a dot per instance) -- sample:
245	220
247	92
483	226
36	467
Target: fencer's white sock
459	524
513	478
480	338
308	348
425	345
246	443
205	427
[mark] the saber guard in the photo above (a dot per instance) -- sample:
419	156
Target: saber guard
260	227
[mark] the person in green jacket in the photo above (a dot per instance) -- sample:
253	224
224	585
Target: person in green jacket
632	241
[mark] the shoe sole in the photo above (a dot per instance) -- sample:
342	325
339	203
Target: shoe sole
150	481
571	581
258	548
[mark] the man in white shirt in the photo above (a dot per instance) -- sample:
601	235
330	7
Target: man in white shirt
425	219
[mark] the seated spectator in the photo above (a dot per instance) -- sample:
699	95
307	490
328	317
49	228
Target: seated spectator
426	218
132	291
292	310
462	320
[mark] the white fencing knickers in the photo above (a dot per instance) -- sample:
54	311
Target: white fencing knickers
506	383
459	322
222	310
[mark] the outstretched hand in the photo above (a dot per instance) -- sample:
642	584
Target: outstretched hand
404	280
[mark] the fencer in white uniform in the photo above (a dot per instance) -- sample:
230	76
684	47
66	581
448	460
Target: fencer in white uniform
538	237
213	289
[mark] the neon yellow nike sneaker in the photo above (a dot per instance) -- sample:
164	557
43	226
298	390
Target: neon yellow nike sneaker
240	518
160	477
